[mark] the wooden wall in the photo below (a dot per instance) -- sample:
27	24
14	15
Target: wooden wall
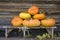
10	8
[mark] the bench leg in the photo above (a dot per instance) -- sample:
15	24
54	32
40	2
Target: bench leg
6	32
28	32
50	31
24	31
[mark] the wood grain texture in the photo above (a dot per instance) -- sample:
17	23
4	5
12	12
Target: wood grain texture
32	1
24	7
15	8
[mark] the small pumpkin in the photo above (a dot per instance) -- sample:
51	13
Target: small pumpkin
31	23
33	10
16	21
39	16
50	22
24	15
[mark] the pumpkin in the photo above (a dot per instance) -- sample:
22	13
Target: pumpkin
33	10
24	15
31	23
16	21
39	16
50	22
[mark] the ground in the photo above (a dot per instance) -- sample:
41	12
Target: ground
13	38
18	38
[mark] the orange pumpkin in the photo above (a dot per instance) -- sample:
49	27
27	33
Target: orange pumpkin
33	10
31	23
39	16
16	21
48	22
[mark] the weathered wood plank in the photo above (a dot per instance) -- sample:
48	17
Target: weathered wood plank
25	4
25	10
28	5
19	7
27	0
41	0
24	7
53	16
32	1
